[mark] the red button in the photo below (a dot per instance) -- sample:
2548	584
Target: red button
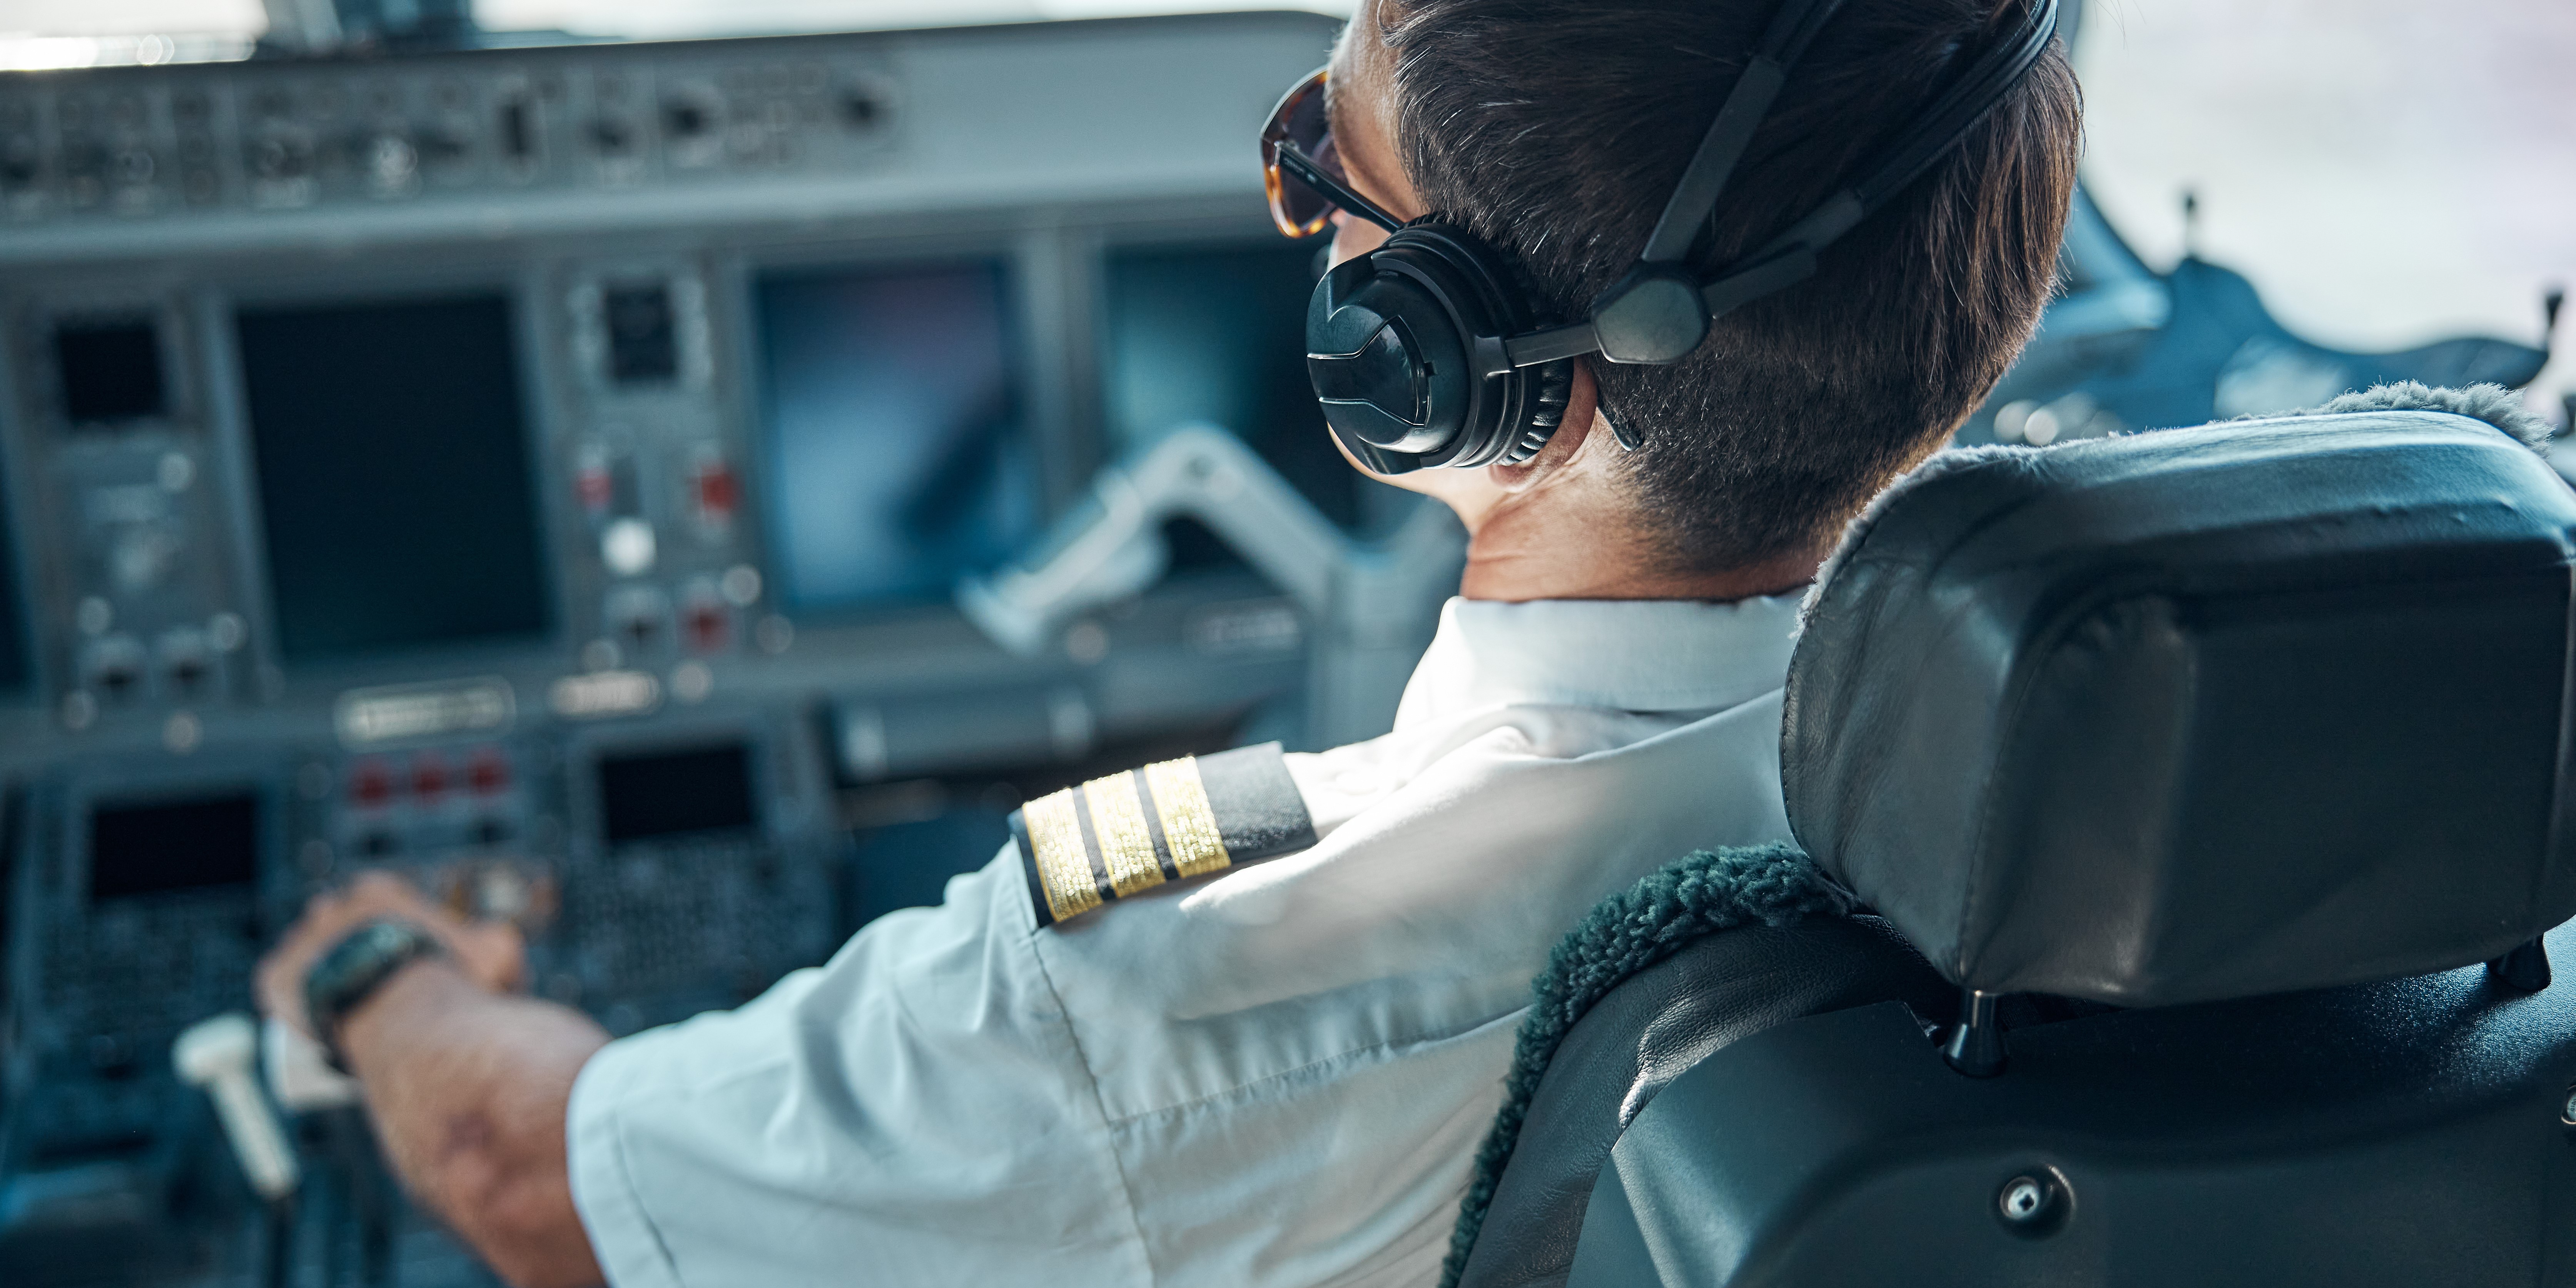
488	772
370	783
428	777
706	624
595	488
715	491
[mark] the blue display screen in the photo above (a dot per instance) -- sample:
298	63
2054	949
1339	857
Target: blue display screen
895	452
1217	335
395	482
13	640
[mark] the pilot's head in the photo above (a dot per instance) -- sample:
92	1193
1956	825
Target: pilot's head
1555	131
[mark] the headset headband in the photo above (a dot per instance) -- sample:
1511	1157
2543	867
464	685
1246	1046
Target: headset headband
1660	311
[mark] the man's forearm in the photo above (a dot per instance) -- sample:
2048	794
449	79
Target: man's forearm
468	1090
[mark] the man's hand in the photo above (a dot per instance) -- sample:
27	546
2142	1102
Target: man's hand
489	953
468	1086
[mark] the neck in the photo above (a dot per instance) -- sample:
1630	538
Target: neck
1521	553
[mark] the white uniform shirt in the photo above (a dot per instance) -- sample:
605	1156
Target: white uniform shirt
1277	1076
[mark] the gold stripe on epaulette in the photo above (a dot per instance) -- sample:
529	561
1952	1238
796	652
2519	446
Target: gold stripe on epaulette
1064	866
1118	822
1189	823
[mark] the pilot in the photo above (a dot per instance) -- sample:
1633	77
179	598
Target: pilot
1244	1019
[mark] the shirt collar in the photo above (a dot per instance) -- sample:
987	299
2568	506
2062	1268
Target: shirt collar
1625	655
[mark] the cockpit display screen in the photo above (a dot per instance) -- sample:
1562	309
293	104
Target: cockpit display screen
110	371
157	846
395	482
676	793
13	644
1217	335
895	452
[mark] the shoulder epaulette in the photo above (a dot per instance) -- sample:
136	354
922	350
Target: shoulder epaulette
1172	820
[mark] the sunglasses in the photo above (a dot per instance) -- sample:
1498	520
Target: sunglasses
1303	170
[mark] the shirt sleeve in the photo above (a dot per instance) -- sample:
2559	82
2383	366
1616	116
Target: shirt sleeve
913	1111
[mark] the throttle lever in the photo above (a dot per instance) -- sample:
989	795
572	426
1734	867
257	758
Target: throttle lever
220	1055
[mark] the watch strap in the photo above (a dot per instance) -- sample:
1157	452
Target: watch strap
353	969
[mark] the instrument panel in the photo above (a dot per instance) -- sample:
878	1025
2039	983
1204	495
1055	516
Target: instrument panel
545	472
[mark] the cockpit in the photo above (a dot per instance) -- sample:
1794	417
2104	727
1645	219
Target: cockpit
684	488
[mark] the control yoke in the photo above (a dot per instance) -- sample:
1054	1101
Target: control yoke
1370	605
1112	548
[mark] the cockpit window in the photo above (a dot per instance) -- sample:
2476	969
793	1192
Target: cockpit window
2387	172
38	35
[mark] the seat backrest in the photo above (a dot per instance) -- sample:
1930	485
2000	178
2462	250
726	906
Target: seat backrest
1660	1023
2259	731
2202	713
2395	1134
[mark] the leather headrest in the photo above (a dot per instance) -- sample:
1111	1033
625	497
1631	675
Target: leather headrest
2200	713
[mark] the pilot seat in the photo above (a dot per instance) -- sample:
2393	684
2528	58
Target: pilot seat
2199	800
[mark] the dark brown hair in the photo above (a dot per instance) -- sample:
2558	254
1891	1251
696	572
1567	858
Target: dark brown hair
1556	128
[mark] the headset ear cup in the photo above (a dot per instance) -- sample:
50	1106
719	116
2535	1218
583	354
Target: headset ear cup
1420	305
1552	386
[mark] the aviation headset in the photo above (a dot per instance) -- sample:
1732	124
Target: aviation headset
1423	353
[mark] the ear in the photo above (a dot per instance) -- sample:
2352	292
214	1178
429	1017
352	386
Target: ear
1581	423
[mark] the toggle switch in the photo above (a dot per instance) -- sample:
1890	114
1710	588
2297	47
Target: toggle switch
715	492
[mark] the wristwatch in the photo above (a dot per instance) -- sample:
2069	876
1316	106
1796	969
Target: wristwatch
353	970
